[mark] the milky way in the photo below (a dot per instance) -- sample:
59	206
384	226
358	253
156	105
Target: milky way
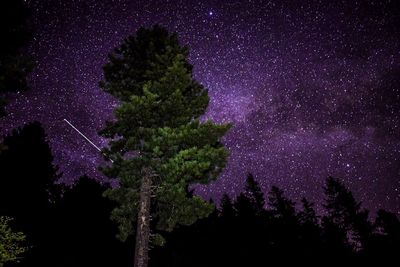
312	87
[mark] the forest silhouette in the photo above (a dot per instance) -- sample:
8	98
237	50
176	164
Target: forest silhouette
70	226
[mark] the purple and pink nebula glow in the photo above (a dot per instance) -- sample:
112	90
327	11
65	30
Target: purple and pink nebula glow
312	87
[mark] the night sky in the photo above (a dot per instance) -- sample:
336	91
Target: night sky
312	87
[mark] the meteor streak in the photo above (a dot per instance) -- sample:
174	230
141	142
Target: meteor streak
87	139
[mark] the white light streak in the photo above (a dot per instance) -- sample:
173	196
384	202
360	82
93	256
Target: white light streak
87	139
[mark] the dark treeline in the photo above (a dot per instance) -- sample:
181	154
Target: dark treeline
245	233
63	226
70	226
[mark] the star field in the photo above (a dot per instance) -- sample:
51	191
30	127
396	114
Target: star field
312	87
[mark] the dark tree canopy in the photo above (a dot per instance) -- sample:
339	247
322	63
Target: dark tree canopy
345	213
85	236
308	215
255	194
27	172
64	225
27	189
281	236
227	209
281	207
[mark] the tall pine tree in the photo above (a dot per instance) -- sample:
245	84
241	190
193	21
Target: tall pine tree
159	145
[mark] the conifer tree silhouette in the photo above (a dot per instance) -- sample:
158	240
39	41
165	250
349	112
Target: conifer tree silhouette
255	194
85	236
346	213
227	210
27	189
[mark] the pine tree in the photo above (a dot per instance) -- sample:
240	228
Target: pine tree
310	231
308	214
27	161
387	223
158	122
251	201
227	210
255	194
281	207
346	213
383	245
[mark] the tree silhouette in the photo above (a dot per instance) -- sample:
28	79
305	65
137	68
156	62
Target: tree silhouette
346	214
309	232
388	224
280	235
285	224
72	230
244	206
308	214
384	244
280	206
227	209
158	119
251	201
27	188
85	235
255	194
249	208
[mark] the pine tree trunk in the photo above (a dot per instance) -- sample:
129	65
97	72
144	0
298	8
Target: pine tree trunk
143	222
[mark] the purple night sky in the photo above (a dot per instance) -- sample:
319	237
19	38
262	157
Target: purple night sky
312	87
